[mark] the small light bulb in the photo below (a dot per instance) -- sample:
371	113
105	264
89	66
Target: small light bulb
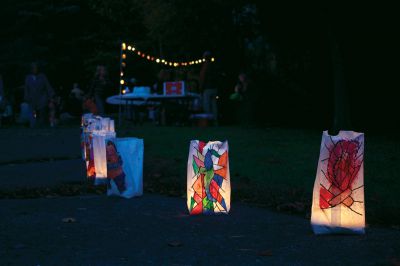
123	56
129	47
158	60
133	48
122	82
122	74
212	59
123	46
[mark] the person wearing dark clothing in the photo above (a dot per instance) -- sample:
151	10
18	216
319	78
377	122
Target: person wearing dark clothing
208	85
99	88
38	93
75	100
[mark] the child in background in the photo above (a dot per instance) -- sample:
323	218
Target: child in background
240	88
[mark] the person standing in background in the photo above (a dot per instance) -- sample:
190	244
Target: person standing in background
99	87
208	85
38	93
241	105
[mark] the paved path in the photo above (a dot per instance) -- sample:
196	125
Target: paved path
151	230
157	230
19	144
41	174
43	157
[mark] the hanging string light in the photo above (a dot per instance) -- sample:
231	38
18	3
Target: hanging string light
125	49
131	48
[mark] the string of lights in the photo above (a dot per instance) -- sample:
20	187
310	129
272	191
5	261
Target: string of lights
130	49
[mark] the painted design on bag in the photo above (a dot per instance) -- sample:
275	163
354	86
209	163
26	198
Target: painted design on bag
91	171
114	167
209	178
344	162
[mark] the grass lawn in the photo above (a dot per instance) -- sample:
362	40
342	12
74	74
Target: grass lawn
273	168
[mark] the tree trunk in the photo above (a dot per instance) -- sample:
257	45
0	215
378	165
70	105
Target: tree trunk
341	105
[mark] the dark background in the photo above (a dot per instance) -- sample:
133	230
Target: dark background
69	38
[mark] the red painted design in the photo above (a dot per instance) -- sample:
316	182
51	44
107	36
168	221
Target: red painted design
344	163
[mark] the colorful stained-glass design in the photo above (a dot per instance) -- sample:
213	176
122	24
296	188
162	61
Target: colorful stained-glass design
208	178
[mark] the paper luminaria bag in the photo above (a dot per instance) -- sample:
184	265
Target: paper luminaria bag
84	129
338	196
208	179
98	159
124	167
95	130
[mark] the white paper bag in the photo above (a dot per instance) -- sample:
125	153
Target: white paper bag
84	129
125	167
208	178
95	129
338	196
99	155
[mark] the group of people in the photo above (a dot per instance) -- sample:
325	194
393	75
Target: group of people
207	84
42	105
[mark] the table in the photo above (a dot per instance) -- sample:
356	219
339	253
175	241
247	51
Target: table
147	100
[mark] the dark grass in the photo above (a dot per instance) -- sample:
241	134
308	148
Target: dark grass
273	167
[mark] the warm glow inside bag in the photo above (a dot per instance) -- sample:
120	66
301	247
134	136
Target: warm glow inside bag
84	129
95	130
125	167
98	144
208	179
338	197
